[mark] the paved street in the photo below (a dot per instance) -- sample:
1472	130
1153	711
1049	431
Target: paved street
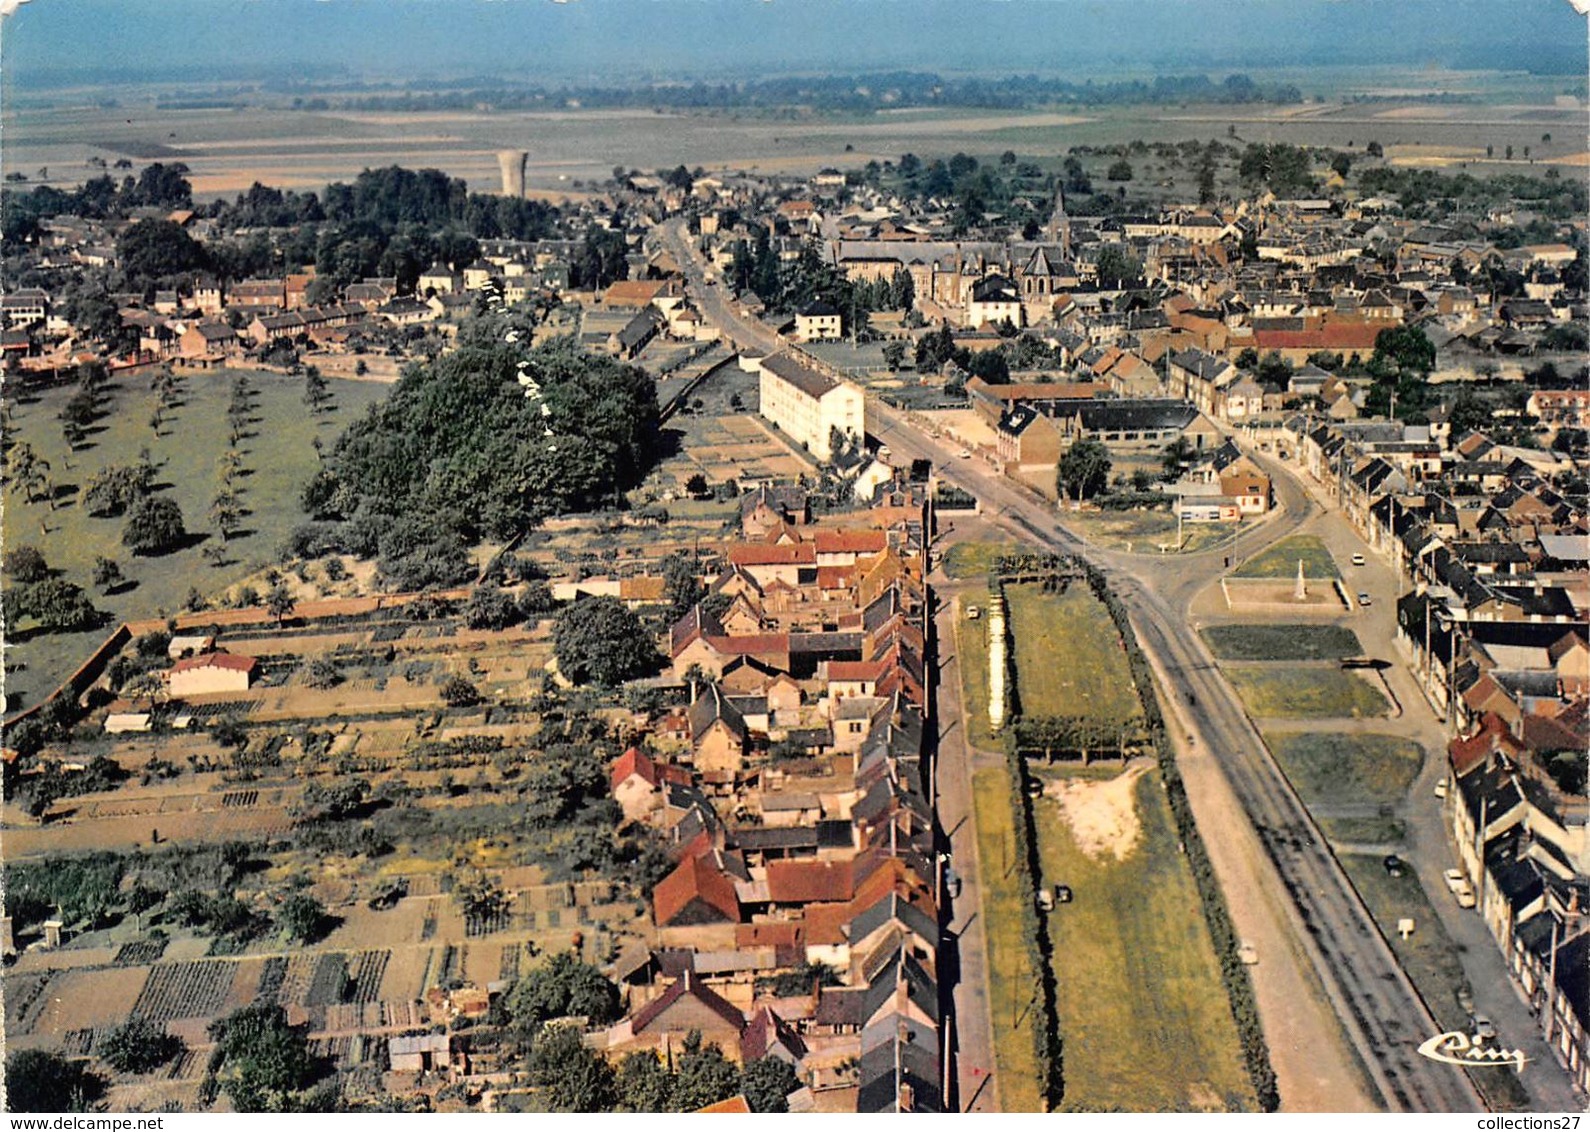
1334	943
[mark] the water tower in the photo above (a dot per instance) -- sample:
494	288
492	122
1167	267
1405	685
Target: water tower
512	162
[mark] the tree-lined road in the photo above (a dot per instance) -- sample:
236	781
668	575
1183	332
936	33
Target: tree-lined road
1378	1006
1373	998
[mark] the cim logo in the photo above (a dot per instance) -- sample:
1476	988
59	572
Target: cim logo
1457	1048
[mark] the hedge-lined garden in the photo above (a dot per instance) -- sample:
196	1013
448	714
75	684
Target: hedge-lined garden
1239	988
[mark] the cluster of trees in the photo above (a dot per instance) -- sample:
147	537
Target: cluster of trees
158	185
33	591
390	222
1429	194
1283	169
571	1078
863	93
787	287
1401	365
40	1080
264	1064
459	452
1017	352
600	640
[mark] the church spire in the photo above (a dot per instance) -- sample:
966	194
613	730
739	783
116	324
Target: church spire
1059	227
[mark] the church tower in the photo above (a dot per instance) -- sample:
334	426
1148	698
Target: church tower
1058	230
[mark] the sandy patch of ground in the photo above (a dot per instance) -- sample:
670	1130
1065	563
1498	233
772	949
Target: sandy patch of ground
1102	815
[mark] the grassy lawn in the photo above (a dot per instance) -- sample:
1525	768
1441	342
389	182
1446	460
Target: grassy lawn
1365	831
1428	956
1143	532
1010	975
1305	693
1328	769
971	646
1144	1015
1281	642
1280	561
973	559
1069	659
278	458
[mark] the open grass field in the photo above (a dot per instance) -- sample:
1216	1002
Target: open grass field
278	457
975	559
1143	1012
1387	831
1145	532
1281	642
1069	659
1338	770
1011	979
1305	693
1280	560
1430	958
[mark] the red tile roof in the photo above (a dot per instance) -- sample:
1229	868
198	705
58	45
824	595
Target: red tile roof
1337	335
1493	735
855	670
697	878
735	1104
850	542
809	882
759	554
633	762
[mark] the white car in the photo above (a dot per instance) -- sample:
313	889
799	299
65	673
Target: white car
1440	788
965	453
1358	560
1248	954
1460	887
973	612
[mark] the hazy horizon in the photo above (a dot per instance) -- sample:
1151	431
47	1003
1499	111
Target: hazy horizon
58	42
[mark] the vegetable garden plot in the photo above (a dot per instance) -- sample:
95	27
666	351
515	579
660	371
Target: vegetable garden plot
184	990
369	968
24	1000
140	953
329	984
270	980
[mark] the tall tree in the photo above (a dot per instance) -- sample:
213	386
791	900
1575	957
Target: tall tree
599	639
1084	470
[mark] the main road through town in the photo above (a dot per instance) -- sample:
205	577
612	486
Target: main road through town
1380	1010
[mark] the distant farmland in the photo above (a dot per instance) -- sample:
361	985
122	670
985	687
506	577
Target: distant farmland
229	148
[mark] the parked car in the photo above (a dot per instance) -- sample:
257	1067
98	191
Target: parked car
1440	788
965	453
1045	900
1358	560
1363	599
1482	1028
1392	864
1248	953
952	883
973	612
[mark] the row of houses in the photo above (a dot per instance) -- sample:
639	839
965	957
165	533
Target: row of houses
794	795
1495	561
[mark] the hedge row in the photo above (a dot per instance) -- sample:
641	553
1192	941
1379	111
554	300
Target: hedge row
1239	988
1048	1048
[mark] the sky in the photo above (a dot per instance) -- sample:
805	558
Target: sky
587	41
